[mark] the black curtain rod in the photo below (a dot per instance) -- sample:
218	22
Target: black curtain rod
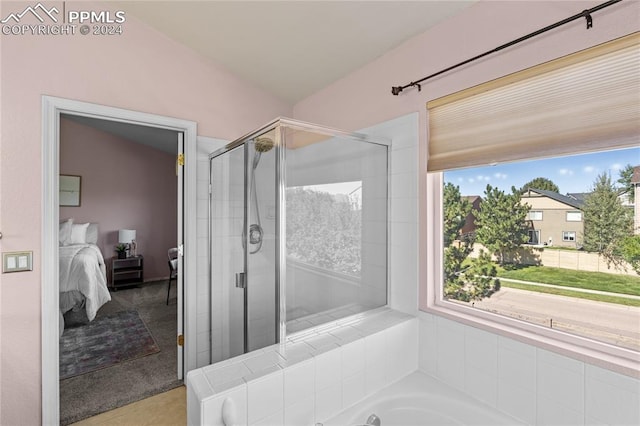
395	90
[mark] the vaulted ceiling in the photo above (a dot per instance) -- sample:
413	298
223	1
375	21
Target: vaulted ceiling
292	48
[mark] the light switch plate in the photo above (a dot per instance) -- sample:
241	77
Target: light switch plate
17	261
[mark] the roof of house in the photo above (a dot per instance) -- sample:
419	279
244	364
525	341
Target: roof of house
573	202
578	196
635	178
472	198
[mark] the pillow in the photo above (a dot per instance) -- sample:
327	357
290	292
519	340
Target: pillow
78	233
65	232
92	234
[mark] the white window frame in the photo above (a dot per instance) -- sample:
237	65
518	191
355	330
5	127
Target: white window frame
529	215
573	213
621	360
537	233
566	236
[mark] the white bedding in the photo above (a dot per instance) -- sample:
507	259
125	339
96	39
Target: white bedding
82	270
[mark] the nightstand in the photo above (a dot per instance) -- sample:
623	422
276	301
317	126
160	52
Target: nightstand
126	272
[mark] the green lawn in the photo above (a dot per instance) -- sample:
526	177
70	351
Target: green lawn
624	284
570	293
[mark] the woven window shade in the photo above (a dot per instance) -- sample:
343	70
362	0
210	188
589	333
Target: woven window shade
587	101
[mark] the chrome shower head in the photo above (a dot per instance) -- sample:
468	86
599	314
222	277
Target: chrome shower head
263	144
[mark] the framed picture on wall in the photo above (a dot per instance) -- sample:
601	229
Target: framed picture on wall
70	187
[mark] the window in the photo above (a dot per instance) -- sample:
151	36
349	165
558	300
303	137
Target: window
534	215
498	261
466	136
574	216
324	226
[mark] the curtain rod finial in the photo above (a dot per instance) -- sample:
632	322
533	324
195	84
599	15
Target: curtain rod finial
395	90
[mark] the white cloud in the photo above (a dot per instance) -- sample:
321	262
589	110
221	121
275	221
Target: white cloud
500	175
616	166
460	179
471	180
589	169
481	178
566	172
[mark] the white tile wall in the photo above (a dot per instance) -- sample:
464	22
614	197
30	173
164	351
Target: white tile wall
450	352
533	385
265	397
403	265
610	397
301	413
204	147
296	384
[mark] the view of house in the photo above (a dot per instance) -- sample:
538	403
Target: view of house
554	219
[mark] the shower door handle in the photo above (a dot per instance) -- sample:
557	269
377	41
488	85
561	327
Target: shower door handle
241	280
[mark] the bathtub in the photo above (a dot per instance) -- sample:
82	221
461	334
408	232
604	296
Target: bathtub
419	399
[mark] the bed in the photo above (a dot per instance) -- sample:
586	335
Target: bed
82	270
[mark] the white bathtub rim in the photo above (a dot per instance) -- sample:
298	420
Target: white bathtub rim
419	387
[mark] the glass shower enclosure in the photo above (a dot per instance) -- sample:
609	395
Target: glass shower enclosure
298	233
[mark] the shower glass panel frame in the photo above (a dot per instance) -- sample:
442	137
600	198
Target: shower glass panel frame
271	155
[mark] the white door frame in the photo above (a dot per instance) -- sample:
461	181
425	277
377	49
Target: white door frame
52	107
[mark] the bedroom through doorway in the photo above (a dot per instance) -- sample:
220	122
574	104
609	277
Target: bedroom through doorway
119	310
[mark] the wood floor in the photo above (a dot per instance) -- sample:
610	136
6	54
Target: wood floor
168	408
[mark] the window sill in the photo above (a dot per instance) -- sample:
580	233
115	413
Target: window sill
600	354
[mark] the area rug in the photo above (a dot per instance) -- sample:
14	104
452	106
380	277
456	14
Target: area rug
104	342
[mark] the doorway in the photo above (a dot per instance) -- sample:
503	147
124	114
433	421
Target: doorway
53	108
128	192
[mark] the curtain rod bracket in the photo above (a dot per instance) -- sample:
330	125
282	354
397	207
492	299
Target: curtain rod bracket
588	17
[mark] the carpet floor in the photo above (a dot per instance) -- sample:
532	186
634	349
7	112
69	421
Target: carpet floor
98	391
104	342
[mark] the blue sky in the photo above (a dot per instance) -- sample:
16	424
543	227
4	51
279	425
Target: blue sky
574	173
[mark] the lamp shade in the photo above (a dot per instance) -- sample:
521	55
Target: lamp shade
125	236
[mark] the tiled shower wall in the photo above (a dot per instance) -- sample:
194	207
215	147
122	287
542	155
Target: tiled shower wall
403	220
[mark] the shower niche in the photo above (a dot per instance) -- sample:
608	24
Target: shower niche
298	233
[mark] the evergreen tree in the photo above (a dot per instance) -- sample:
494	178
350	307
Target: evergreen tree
606	221
463	280
455	212
540	183
501	221
626	187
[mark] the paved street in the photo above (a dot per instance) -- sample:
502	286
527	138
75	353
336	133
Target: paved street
607	322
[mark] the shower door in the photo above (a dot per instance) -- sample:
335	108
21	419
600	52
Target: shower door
226	221
243	249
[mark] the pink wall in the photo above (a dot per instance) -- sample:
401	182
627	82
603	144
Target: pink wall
144	70
364	97
140	70
125	185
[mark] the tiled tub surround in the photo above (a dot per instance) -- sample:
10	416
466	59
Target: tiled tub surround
531	384
315	377
309	379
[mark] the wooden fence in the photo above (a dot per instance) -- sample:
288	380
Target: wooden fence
567	259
